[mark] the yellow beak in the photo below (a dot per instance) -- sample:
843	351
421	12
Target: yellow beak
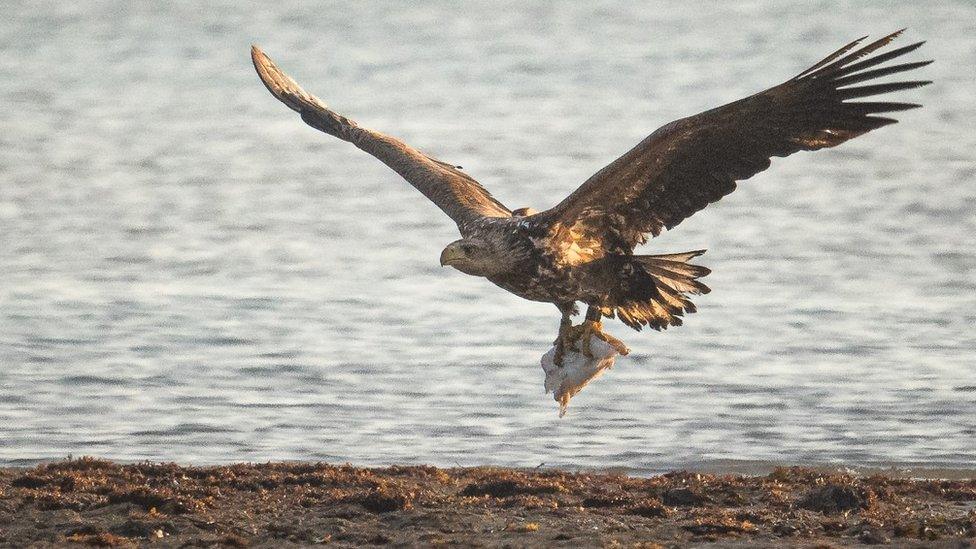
450	254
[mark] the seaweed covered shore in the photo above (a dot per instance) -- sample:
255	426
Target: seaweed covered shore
101	503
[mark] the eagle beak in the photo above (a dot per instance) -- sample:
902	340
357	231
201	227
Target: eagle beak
450	254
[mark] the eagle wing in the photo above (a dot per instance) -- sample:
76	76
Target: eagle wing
687	164
456	193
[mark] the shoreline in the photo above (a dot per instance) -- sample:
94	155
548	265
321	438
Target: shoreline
751	468
104	503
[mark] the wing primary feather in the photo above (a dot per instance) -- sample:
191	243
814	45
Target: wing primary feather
876	89
877	59
878	73
830	57
844	61
870	107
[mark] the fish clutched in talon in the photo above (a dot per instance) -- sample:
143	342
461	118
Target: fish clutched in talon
580	339
581	355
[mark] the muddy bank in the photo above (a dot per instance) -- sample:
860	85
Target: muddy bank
101	503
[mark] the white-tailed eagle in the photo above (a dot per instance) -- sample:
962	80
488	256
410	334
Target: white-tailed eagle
581	250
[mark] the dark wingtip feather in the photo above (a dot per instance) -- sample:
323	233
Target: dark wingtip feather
876	60
880	121
871	107
877	89
838	64
843	49
873	46
878	73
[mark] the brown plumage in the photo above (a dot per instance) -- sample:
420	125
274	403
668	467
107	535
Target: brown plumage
687	164
582	249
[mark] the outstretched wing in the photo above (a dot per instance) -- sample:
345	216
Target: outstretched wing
453	191
690	163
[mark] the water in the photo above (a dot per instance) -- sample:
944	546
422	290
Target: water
189	273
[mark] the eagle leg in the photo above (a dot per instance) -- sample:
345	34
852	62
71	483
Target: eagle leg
593	327
568	333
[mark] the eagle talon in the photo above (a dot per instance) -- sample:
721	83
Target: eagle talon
569	337
579	339
588	330
564	328
595	328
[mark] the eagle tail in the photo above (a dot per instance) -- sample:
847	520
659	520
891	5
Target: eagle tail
661	301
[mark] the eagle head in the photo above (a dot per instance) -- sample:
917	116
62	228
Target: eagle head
473	256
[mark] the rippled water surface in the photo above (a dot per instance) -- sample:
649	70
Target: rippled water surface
187	272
